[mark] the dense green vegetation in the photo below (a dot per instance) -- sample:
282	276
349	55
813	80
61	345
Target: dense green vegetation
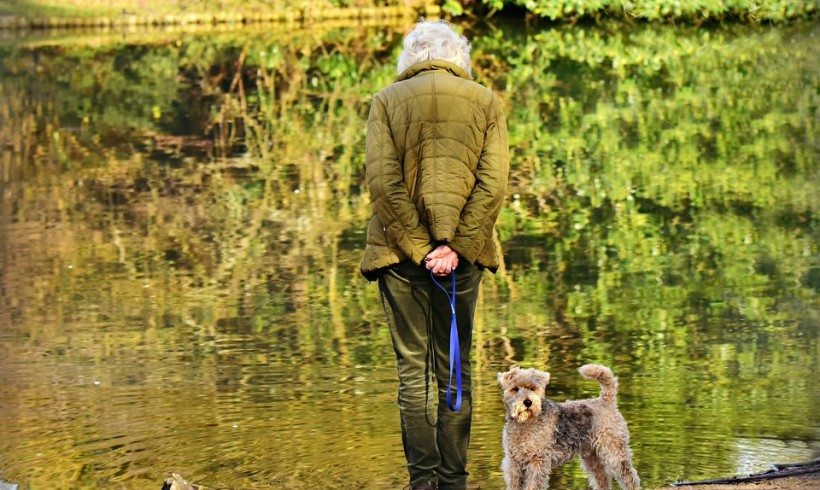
204	192
699	11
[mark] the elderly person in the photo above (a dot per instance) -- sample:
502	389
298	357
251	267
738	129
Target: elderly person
437	167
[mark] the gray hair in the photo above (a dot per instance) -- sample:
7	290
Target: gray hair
435	41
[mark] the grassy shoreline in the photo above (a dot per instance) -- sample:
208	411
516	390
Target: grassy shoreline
147	8
57	13
46	14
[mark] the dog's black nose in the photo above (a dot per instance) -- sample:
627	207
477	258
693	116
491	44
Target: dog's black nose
527	403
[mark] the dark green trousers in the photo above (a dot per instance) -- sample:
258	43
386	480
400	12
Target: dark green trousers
418	314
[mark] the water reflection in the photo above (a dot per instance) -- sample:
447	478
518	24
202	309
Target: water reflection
182	218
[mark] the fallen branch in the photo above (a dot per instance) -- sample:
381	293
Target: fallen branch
781	466
781	470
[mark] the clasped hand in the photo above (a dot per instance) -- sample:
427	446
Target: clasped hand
442	260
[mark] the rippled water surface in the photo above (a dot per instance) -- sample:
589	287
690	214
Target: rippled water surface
183	213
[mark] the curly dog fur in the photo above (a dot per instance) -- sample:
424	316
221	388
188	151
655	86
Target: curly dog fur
540	434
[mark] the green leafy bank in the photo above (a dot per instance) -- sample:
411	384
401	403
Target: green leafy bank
697	11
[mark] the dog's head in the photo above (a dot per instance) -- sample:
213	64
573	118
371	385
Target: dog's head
523	392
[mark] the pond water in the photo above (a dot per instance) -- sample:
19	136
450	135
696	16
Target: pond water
183	213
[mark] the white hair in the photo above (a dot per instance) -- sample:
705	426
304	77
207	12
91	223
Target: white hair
435	41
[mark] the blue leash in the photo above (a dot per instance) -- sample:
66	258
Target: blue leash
455	351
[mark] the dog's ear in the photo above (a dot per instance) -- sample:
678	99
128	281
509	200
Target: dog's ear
504	379
544	378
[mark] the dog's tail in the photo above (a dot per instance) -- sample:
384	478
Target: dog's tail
603	375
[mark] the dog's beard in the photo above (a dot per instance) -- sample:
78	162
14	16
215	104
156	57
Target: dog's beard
521	413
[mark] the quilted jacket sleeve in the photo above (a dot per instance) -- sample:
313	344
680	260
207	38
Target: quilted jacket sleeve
391	199
482	207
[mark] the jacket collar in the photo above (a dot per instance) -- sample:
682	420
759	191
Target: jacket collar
433	65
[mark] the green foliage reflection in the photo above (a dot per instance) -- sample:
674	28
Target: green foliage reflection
206	190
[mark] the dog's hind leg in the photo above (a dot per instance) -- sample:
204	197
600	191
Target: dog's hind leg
596	470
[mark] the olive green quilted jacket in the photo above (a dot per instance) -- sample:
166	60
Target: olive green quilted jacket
437	166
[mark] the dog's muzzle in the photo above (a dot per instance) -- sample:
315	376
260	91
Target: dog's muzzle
524	407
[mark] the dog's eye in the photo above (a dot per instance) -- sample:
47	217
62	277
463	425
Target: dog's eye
515	389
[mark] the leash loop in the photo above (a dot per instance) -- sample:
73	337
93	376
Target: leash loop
455	348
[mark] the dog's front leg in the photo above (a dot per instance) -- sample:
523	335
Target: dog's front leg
513	474
538	474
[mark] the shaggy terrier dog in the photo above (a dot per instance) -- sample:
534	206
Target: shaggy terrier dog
540	434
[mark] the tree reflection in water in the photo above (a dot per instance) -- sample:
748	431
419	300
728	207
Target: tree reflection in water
183	214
